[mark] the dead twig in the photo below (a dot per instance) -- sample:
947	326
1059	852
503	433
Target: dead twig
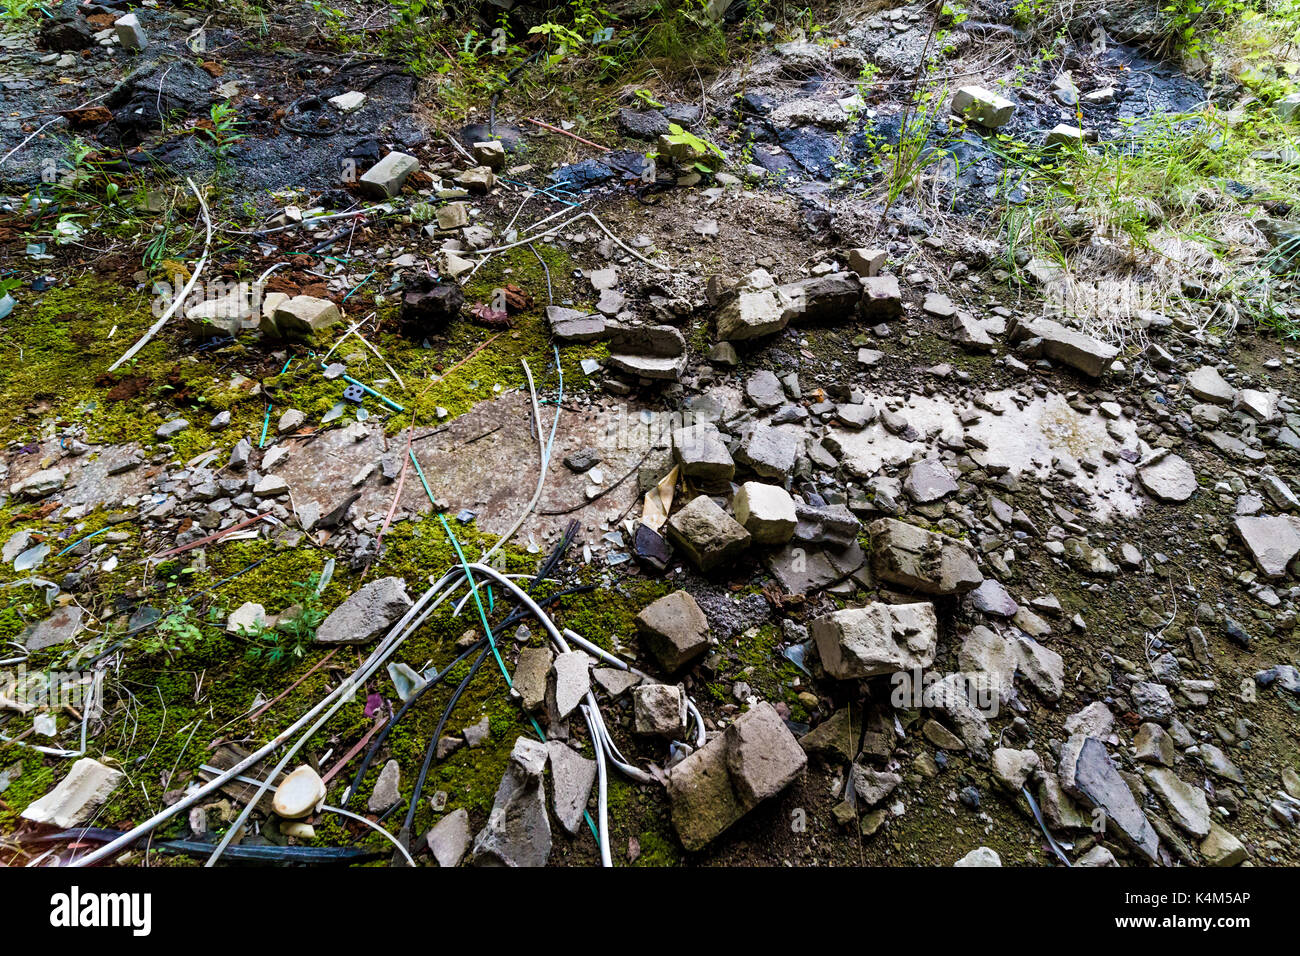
565	132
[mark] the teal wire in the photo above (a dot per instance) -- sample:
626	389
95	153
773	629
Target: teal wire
487	628
358	286
79	540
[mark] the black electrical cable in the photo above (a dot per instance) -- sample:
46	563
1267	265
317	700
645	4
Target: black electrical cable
377	743
401	712
405	835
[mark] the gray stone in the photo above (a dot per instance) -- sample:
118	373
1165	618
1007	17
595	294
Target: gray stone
1221	848
928	480
767	512
826	298
981	106
452	216
531	676
980	856
832	525
992	598
882	300
130	34
290	422
20	541
572	681
872	786
518	831
1063	134
659	710
615	682
247	618
1152	702
59	628
1042	667
570	325
385	179
674	629
1058	807
1209	386
800	571
39	483
1217	762
707	535
769	452
867	262
367	614
448	839
168	429
855	415
754	759
837	736
1153	745
1088	774
652	367
572	776
703	456
764	390
876	639
490	152
1273	541
951	696
755	309
388	788
922	560
303	315
477	734
1068	346
1097	856
1186	804
971	332
1013	768
271	486
985	652
642	124
1168	478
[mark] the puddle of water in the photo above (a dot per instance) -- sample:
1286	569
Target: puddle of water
1024	441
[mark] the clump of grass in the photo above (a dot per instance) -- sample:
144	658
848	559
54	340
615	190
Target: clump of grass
1172	209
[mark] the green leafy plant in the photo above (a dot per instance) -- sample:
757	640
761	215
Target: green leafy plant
699	149
289	639
1192	24
226	126
178	631
17	9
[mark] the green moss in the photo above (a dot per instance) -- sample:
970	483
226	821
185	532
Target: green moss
610	612
66	341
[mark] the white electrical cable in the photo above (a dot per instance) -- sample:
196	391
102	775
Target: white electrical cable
533	237
189	286
602	799
612	752
381	653
374	826
412	620
454	578
699	722
253	781
545	450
